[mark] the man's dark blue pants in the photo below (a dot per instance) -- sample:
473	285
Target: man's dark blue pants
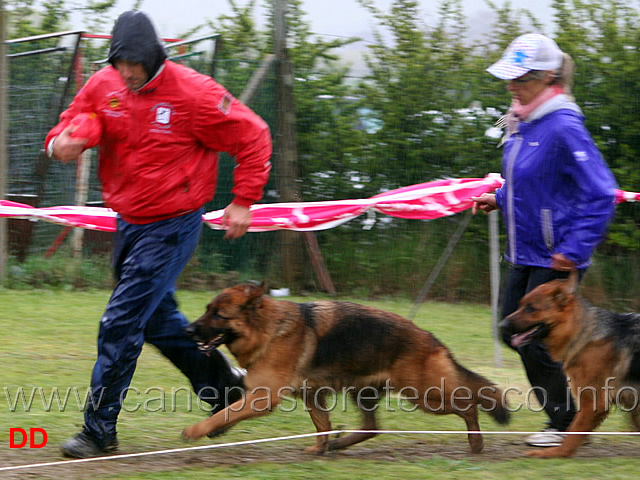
147	261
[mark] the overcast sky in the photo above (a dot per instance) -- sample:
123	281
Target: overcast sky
329	17
346	18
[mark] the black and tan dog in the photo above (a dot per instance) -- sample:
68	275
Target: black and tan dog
600	351
311	349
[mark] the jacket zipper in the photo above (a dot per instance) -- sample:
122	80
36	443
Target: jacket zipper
133	116
511	222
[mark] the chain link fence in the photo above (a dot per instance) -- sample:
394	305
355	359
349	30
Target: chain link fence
395	257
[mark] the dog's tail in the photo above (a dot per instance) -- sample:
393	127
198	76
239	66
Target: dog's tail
488	397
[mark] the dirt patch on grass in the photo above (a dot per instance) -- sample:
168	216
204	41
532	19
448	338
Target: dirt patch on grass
406	449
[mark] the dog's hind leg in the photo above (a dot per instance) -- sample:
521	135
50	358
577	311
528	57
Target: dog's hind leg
368	408
320	416
444	403
470	417
323	424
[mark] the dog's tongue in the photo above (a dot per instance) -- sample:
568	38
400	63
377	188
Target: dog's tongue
519	338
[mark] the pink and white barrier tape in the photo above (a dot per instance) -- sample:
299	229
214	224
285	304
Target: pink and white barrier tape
425	201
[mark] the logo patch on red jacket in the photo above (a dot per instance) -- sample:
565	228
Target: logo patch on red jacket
225	104
114	100
163	113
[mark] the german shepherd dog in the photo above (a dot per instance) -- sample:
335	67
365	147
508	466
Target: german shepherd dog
307	349
599	349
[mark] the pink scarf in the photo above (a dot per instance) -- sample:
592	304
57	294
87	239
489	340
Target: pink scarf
523	111
518	112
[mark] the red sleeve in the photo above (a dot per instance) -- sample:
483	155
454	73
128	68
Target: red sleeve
80	103
224	124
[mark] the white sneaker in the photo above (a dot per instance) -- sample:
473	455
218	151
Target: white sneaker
549	437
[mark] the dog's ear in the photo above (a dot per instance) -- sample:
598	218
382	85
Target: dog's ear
561	297
566	290
254	294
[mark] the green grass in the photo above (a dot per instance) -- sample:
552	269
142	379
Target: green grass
48	340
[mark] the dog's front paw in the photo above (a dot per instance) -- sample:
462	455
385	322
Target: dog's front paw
192	433
315	450
218	432
552	452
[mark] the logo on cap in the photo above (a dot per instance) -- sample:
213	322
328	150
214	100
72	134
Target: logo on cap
520	57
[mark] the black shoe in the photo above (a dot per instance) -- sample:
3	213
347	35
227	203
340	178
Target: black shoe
236	386
83	445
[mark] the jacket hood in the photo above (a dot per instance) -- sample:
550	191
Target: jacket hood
134	38
559	102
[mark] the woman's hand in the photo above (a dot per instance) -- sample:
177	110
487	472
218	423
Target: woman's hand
561	263
485	202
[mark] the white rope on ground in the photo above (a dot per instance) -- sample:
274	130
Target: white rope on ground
292	437
163	452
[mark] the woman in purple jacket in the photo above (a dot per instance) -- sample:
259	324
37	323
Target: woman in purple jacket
557	200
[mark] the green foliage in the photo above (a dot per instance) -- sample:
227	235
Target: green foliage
602	37
60	271
99	15
326	113
429	90
206	271
422	113
239	34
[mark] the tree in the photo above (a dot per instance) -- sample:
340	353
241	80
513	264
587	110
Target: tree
422	88
325	107
603	39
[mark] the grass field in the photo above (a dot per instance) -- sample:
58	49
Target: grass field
48	344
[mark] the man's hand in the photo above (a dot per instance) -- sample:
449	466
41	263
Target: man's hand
67	148
237	220
485	202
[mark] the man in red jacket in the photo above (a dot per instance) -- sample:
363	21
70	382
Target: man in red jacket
159	127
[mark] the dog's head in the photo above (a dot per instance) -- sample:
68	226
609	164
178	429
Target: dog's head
544	314
228	317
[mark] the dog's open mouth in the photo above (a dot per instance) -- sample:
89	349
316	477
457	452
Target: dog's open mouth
214	339
215	342
538	330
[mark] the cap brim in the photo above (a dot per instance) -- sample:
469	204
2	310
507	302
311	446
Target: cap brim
506	70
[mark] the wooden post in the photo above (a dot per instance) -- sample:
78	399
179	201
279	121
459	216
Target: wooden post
83	170
494	260
317	260
291	248
4	155
81	197
291	243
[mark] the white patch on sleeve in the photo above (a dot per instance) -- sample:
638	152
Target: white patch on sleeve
581	156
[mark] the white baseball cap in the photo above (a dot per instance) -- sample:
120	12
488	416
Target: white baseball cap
531	51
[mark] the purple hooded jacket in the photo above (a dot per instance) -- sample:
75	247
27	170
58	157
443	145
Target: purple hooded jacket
558	195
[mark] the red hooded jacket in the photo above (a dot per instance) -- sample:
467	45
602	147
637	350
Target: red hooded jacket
158	150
